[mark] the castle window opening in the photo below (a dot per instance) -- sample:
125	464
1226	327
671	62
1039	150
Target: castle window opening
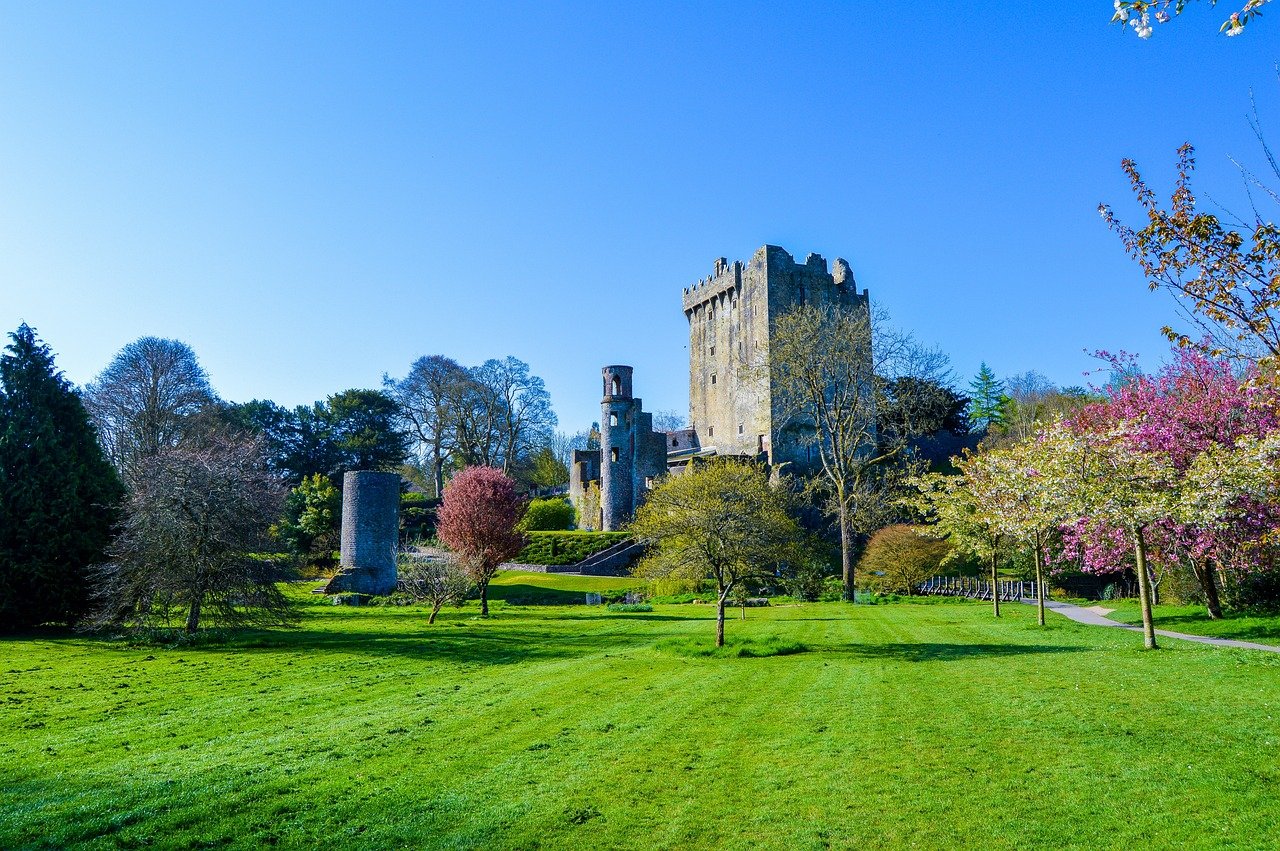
713	351
617	386
675	442
613	419
613	454
713	378
711	431
740	427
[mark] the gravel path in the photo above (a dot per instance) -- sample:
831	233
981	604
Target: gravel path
1093	617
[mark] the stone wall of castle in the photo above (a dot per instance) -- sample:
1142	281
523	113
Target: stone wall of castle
732	404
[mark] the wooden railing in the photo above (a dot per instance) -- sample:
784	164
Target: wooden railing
977	589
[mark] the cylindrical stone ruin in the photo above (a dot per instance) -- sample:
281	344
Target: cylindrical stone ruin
370	531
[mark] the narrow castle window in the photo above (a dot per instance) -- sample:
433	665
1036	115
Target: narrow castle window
713	351
617	387
613	454
713	378
675	442
711	431
739	428
613	419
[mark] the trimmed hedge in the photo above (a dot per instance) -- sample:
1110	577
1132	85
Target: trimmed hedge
565	547
548	515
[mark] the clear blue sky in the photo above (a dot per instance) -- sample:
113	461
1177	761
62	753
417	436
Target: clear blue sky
314	194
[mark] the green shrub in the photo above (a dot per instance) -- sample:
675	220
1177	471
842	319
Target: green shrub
417	517
900	557
548	515
395	598
807	581
565	547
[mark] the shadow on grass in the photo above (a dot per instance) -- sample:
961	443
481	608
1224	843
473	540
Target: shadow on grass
485	643
534	595
941	652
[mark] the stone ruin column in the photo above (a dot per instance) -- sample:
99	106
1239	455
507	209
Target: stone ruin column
370	533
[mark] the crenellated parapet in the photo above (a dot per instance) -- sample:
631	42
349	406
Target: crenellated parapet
725	277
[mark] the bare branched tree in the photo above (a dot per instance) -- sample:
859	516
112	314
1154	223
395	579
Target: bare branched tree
147	399
435	582
430	397
833	370
1226	283
196	524
522	413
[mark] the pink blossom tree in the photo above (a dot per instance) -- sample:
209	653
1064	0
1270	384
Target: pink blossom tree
1194	406
477	521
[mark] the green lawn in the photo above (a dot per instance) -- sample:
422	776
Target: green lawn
1263	629
571	727
529	588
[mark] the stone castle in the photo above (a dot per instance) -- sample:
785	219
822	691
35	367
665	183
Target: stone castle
733	407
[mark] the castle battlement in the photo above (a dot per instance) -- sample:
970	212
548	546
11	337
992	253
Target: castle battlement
725	276
768	261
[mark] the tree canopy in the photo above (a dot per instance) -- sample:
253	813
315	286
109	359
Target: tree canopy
723	521
150	397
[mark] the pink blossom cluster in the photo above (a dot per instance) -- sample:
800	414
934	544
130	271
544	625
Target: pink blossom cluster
1192	405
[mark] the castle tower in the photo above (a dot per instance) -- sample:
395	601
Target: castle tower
732	405
617	449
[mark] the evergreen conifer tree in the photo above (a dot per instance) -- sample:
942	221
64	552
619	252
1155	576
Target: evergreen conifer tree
987	400
59	495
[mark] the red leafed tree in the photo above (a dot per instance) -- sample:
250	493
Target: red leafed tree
477	520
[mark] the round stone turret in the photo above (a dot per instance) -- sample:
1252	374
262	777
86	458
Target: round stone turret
370	531
617	449
617	382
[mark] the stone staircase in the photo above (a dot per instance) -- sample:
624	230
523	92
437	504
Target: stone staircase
616	560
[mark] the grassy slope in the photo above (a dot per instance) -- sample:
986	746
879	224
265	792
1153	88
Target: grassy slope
553	588
569	727
1263	629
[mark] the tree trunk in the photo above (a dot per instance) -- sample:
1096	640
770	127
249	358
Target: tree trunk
439	474
193	616
1205	572
995	584
1144	589
720	621
846	552
1040	583
484	599
435	610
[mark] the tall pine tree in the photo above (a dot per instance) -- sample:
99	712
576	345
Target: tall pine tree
59	496
987	400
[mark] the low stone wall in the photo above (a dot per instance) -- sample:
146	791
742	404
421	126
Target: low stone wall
539	568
